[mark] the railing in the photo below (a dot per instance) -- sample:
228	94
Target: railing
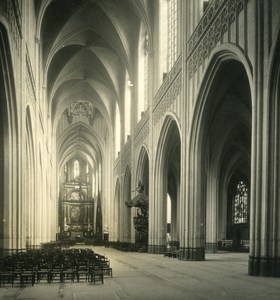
218	17
168	81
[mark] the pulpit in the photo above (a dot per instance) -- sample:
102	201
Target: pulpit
141	220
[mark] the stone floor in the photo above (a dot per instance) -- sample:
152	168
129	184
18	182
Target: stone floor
143	276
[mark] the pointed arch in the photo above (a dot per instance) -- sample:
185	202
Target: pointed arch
167	181
220	130
142	170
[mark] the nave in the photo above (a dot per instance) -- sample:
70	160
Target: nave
143	124
138	276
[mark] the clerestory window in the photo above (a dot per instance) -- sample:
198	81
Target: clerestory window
172	32
76	169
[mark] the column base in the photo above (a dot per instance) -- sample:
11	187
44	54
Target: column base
156	249
195	254
264	266
211	248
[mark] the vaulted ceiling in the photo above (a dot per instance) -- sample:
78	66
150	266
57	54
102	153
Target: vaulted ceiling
87	48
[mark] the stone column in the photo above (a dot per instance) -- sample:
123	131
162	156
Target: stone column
157	217
211	213
192	244
264	259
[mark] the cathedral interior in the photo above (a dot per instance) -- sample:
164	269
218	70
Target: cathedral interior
146	126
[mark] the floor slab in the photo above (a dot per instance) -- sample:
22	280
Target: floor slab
141	276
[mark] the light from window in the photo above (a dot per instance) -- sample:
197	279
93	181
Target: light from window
172	33
241	204
76	169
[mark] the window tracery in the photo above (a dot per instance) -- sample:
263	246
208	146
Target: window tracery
241	204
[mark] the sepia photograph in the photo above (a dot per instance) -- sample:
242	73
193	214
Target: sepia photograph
140	149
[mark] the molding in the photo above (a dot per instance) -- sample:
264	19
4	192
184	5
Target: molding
168	81
168	98
142	129
126	154
218	17
142	135
126	147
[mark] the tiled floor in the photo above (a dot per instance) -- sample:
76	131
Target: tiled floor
143	276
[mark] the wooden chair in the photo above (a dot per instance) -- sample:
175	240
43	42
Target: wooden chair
96	274
82	271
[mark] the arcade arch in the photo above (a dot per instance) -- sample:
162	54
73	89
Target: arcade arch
220	157
167	182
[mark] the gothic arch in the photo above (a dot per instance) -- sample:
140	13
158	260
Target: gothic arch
220	141
167	184
142	170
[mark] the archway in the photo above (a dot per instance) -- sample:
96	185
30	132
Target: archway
167	182
227	147
141	202
142	173
220	155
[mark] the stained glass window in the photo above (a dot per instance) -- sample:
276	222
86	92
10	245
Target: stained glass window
241	204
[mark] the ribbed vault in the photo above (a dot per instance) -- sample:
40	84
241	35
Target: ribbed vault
88	49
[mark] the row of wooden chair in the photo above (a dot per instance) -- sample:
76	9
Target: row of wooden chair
59	265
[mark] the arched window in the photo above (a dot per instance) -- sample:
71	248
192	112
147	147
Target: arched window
172	33
127	112
143	70
117	130
87	172
241	204
76	169
163	39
